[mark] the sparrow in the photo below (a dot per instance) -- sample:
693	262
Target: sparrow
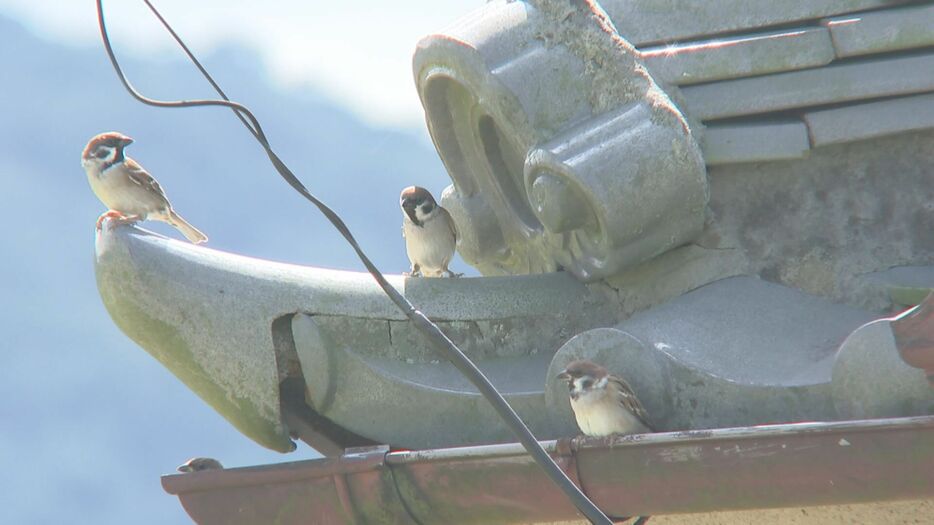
603	404
131	193
429	231
199	464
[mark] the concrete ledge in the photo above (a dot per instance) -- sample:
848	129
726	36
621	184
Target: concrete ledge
743	56
650	21
730	144
882	31
832	84
208	317
872	120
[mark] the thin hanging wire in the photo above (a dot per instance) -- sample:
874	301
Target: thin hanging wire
434	334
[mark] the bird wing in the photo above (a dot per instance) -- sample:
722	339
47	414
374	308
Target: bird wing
140	176
628	399
450	222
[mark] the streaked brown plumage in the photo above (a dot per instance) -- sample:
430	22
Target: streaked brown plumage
128	190
199	464
603	404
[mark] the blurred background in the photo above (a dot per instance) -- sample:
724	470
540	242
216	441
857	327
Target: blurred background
89	420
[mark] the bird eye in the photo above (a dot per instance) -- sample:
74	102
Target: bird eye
587	383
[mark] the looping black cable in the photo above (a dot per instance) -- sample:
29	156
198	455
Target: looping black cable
434	334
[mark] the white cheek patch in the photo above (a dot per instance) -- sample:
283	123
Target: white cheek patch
420	213
579	384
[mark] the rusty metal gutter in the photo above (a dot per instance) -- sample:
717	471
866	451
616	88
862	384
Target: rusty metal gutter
802	464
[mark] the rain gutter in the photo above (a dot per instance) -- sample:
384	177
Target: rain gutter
790	465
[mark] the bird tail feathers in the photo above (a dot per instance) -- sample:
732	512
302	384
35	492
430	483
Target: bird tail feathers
190	232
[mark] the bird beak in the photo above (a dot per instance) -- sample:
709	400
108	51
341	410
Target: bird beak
126	141
563	376
184	468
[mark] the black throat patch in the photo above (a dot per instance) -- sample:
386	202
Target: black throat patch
410	211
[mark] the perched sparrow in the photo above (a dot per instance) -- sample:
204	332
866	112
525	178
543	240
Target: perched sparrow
199	464
603	404
126	188
429	231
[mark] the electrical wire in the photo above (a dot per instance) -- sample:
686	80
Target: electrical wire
434	334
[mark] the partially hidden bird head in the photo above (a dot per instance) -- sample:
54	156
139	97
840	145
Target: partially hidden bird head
418	204
105	150
584	377
200	464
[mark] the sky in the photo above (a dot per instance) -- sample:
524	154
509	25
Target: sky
359	53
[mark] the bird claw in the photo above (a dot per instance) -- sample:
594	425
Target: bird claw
446	273
109	214
117	217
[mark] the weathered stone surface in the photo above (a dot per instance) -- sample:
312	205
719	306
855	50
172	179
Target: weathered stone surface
872	120
414	404
548	123
742	56
736	352
904	286
882	31
871	380
831	84
703	338
650	21
594	223
674	273
750	331
819	224
491	298
742	352
364	373
906	276
207	316
730	144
